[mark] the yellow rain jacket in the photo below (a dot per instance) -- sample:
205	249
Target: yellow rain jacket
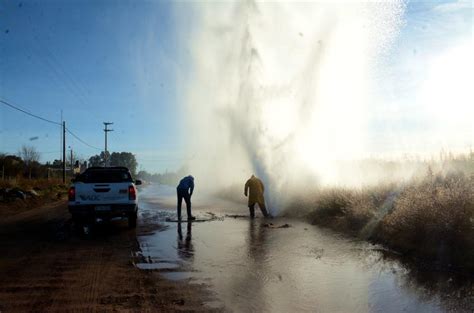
256	188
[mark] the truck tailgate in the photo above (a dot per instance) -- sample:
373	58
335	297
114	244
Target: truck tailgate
102	193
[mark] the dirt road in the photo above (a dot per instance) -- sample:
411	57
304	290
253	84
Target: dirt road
46	267
227	263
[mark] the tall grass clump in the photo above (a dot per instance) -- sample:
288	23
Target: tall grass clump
430	217
433	218
344	209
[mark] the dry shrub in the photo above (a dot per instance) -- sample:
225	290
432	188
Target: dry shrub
332	202
433	218
40	184
369	203
346	209
29	184
47	190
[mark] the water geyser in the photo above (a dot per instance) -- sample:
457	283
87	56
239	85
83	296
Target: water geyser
280	89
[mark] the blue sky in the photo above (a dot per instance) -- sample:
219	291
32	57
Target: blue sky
120	61
96	62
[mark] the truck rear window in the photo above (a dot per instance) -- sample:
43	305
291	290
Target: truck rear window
105	176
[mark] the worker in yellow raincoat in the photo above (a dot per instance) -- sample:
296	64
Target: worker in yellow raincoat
254	189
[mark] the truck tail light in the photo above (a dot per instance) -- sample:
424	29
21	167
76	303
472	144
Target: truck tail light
71	194
132	193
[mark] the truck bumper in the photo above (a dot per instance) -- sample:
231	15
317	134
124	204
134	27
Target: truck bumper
106	211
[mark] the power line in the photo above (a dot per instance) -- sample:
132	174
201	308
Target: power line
46	120
77	137
48	152
56	68
30	114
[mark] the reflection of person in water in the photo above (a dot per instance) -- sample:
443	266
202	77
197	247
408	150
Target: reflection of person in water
249	281
256	241
185	247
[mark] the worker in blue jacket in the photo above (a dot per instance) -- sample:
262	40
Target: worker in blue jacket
185	191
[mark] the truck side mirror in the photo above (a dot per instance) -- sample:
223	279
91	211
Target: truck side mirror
138	182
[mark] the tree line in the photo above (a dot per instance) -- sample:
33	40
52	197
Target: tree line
167	178
126	159
26	163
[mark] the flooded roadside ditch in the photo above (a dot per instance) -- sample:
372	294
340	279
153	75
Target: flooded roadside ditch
251	267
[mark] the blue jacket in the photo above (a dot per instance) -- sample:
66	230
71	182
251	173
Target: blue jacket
187	183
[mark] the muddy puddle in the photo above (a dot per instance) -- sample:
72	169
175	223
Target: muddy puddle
251	267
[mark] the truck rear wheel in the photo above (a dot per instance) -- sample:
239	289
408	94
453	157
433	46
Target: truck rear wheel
132	220
77	221
81	225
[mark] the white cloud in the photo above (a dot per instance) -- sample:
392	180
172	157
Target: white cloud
454	6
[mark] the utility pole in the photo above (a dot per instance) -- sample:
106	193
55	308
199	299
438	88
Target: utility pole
64	152
106	130
72	164
61	136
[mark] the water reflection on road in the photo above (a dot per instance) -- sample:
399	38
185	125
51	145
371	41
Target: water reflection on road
253	268
185	246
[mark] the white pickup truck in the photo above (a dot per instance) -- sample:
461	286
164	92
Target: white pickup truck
104	193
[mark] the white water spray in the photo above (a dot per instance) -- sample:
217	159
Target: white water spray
280	89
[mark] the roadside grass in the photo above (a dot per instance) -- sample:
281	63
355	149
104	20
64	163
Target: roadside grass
46	191
430	217
434	218
28	184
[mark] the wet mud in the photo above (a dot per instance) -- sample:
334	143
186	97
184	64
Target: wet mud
46	265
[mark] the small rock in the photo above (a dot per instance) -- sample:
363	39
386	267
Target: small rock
32	193
16	194
271	225
178	301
